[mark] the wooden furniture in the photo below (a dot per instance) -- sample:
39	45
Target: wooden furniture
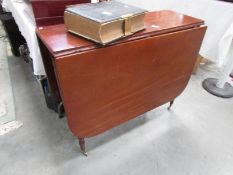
103	87
200	60
49	12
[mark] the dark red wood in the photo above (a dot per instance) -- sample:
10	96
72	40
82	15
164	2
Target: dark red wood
106	87
50	12
103	87
49	69
59	41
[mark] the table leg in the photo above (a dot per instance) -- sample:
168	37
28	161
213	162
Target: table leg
82	146
170	105
197	64
200	60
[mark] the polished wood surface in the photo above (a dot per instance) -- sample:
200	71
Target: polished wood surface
50	12
106	87
50	72
61	42
103	87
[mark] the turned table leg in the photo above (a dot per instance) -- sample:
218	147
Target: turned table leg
82	146
170	105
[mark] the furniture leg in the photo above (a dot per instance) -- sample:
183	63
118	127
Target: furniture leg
170	105
82	146
197	64
60	110
231	74
200	60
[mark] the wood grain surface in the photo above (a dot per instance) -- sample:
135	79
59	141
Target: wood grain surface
60	42
103	87
50	12
106	87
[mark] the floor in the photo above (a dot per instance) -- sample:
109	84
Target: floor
194	138
7	111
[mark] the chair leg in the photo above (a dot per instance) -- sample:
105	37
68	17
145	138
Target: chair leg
82	146
170	105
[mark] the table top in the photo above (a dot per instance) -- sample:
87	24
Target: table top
60	42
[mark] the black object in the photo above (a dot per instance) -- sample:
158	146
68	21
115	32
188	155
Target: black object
231	75
1	9
170	105
48	96
60	110
13	33
227	0
209	85
50	100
